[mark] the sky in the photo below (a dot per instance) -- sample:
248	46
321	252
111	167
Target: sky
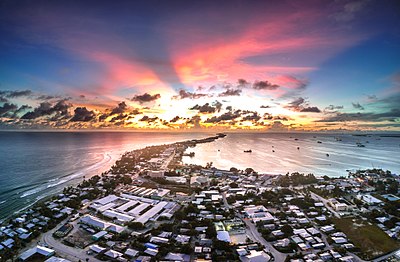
200	65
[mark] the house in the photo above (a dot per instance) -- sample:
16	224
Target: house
57	259
340	207
198	181
113	254
97	248
258	213
38	251
131	252
153	173
175	257
223	236
255	256
369	200
151	251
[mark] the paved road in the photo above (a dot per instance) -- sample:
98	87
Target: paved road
71	253
258	237
325	201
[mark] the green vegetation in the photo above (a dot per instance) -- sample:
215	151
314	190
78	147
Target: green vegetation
369	238
296	179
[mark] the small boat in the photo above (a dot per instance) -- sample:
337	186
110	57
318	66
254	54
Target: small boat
360	145
327	155
272	146
296	139
219	150
273	151
298	148
319	142
247	151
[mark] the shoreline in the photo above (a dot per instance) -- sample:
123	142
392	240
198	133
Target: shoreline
85	177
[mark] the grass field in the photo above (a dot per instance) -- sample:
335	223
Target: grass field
369	238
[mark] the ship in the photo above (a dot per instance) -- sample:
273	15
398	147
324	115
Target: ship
247	151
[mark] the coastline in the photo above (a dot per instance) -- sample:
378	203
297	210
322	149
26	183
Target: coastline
191	142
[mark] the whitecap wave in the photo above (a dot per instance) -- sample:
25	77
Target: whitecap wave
57	181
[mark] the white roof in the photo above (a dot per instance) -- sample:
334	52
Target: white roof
97	248
118	215
152	212
37	250
94	221
127	205
107	199
223	236
131	252
138	209
113	254
57	259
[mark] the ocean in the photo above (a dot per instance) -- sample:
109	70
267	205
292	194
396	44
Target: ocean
279	153
36	164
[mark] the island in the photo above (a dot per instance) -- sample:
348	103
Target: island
152	207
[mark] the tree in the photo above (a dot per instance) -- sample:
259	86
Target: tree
233	185
135	225
249	170
287	230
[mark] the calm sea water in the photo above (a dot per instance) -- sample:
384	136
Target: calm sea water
311	157
36	164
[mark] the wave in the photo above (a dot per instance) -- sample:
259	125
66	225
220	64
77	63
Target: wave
54	182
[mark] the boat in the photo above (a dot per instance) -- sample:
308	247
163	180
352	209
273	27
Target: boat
247	151
360	145
296	139
327	155
298	148
273	151
191	154
319	142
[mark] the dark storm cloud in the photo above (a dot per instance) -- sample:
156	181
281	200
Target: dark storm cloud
300	104
121	108
7	108
254	117
331	108
391	115
118	117
264	85
228	116
268	116
46	109
311	109
297	104
358	106
206	108
15	94
242	83
146	97
3	99
175	119
46	97
186	94
82	114
148	119
231	92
